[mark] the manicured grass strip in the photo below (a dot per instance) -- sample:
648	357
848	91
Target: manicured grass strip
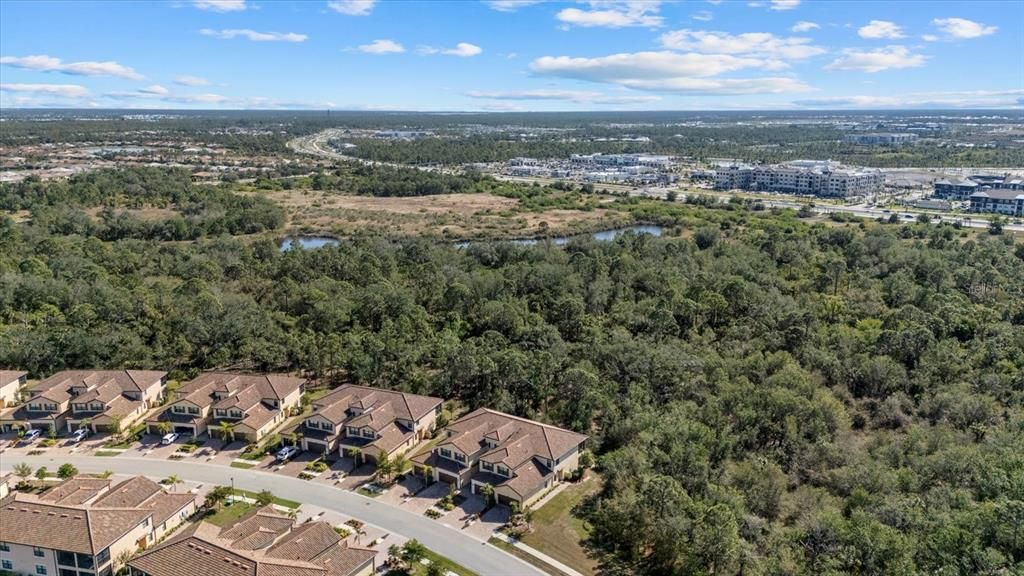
446	564
279	501
106	453
368	493
242	465
535	562
227	514
560	534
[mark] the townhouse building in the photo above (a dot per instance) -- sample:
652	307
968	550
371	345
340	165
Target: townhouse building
11	384
101	400
520	458
365	421
84	526
253	404
264	542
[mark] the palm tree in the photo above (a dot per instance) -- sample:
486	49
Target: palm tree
218	495
226	429
22	470
85	423
487	491
354	454
428	474
164	428
172	480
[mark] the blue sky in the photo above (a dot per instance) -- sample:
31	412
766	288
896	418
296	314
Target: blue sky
512	54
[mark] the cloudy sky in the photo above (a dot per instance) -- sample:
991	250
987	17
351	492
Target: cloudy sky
513	54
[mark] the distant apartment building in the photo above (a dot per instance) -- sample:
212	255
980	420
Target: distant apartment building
961	188
264	542
806	177
102	400
11	383
881	139
998	201
84	525
520	458
365	421
253	404
646	160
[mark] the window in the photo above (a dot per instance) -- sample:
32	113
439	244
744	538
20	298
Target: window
97	406
38	552
236	414
40	569
66	572
179	409
102	557
446	453
6	565
502	470
220	412
192	410
487	466
460	457
65	558
5	547
84	561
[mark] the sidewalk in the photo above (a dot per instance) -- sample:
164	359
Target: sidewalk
537	554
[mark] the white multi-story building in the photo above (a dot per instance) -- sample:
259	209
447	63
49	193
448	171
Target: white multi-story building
881	139
805	177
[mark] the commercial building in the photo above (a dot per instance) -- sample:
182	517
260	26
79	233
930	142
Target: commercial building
365	421
264	542
805	177
102	400
961	188
520	458
881	139
999	201
84	525
252	404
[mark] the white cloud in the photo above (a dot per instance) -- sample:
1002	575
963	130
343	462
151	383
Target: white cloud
703	16
877	29
804	26
614	14
382	46
62	90
888	58
577	96
352	7
669	72
186	80
930	38
784	4
462	49
254	35
511	5
760	44
962	29
50	64
953	99
220	5
156	90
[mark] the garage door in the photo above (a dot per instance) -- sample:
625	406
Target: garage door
447	478
184	430
502	499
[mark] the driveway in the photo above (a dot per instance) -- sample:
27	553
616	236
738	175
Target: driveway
460	547
357	477
464	517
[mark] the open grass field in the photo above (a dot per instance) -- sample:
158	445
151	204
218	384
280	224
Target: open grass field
560	534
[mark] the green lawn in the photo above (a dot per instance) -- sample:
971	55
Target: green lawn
535	562
559	534
106	453
279	501
242	465
229	514
445	563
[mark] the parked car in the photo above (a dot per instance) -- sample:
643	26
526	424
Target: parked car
79	435
287	453
169	439
31	435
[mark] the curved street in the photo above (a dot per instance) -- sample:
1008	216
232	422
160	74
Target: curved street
478	556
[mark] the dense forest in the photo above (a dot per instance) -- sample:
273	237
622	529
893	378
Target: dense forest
765	395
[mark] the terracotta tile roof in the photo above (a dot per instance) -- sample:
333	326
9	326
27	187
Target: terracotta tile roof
168	504
251	530
391	437
243	399
401	404
8	376
128	494
58	386
521	435
77	490
270	385
258	416
311	549
75	529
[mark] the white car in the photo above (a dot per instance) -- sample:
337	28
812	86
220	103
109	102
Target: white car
32	434
169	439
79	435
287	453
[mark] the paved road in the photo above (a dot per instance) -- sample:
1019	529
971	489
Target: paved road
482	558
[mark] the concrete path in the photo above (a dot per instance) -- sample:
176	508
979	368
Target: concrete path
482	558
537	554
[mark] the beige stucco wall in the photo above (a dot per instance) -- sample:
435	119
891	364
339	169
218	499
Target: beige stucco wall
173	522
25	562
129	541
9	394
569	463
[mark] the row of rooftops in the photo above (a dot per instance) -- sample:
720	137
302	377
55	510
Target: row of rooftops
86	515
264	542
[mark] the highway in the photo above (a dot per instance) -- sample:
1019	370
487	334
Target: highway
478	556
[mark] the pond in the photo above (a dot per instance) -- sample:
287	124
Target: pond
312	242
308	242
